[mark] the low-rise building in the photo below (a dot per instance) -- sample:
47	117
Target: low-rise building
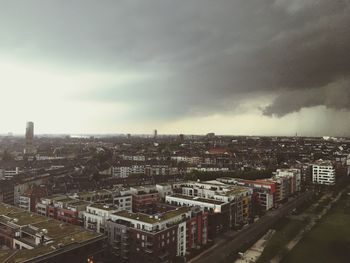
62	208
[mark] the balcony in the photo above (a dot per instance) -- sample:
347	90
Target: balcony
164	256
148	250
117	241
149	244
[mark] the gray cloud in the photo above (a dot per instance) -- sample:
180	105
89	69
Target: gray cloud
209	55
335	95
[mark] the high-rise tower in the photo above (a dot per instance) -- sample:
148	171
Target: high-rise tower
29	147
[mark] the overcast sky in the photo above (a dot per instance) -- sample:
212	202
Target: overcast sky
257	67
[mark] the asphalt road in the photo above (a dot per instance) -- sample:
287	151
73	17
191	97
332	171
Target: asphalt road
234	241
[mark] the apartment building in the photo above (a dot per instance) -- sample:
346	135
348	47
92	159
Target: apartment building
144	198
96	216
29	237
264	191
62	208
138	237
239	198
323	173
220	214
123	171
295	178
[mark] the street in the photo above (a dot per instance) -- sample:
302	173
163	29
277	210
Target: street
233	241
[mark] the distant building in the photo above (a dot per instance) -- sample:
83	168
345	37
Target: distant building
29	137
211	135
7	192
181	137
155	134
123	171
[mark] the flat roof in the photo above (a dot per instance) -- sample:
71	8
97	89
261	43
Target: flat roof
103	207
199	199
93	193
151	219
235	190
79	203
62	235
24	218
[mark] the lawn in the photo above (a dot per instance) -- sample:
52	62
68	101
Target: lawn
329	240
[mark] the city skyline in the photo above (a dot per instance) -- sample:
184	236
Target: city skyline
275	67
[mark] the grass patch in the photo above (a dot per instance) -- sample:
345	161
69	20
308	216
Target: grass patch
286	230
329	240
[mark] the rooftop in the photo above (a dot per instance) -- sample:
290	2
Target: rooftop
235	190
103	207
199	199
152	219
62	236
92	193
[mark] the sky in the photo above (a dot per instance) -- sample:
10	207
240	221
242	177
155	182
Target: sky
271	67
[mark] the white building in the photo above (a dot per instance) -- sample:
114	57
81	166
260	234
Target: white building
125	171
323	173
24	202
164	190
204	203
96	215
123	201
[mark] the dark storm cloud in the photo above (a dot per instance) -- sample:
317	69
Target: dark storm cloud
207	56
335	96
